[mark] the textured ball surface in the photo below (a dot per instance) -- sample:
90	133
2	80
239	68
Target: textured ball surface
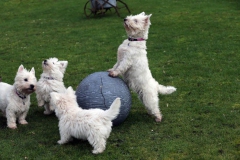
98	90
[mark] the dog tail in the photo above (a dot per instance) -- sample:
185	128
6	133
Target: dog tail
114	109
166	89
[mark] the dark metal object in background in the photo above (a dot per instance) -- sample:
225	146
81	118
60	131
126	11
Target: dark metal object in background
94	7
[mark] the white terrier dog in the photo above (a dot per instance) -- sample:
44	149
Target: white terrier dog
15	99
51	80
132	64
93	125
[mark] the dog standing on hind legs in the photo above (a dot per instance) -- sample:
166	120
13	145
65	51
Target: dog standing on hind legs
15	99
132	64
51	80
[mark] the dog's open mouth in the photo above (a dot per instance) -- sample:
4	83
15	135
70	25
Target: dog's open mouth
29	90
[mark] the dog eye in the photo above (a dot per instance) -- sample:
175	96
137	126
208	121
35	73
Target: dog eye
25	79
53	62
135	21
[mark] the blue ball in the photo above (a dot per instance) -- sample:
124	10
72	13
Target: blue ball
98	90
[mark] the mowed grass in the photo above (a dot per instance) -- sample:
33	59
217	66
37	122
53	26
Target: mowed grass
192	45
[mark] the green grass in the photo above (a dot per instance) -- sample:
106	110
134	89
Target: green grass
193	45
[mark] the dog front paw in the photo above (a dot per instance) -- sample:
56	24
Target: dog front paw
97	151
12	126
109	70
61	142
113	73
23	122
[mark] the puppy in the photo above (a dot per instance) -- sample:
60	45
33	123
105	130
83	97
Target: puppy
51	80
15	99
132	64
93	125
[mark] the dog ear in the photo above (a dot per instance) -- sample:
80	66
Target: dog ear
71	93
63	65
54	59
147	19
70	90
33	70
143	13
20	68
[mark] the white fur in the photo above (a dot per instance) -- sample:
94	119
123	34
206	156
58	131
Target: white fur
132	64
12	105
93	125
51	80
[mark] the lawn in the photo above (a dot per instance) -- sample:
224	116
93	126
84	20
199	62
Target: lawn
193	45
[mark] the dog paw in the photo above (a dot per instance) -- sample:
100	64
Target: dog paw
97	151
158	117
23	122
61	142
113	73
12	126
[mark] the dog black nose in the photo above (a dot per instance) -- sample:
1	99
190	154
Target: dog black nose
31	86
45	61
125	19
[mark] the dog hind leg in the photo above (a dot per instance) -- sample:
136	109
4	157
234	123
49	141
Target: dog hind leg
65	137
47	109
98	143
151	102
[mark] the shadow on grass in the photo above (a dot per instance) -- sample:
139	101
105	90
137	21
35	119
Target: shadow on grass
3	122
